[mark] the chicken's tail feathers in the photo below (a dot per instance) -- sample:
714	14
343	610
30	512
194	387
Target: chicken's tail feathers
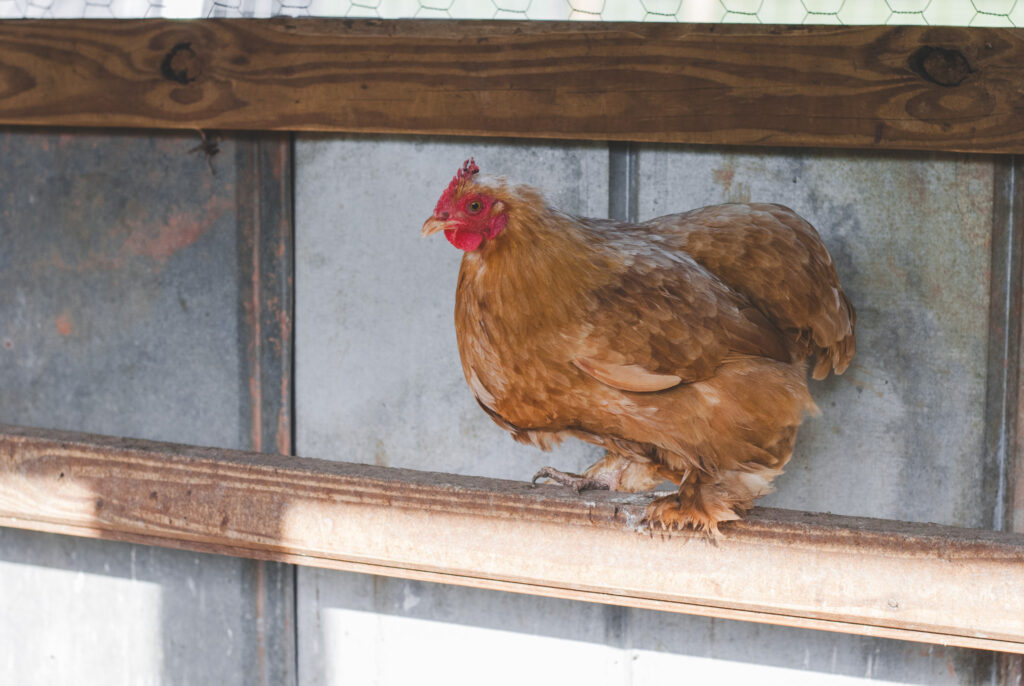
837	356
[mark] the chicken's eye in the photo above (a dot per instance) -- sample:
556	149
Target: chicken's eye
474	207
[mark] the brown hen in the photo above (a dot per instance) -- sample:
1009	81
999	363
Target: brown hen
679	344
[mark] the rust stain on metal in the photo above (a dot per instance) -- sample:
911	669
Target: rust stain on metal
256	406
266	287
253	318
283	436
282	440
181	229
64	325
724	175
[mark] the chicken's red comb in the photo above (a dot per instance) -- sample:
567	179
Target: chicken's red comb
469	169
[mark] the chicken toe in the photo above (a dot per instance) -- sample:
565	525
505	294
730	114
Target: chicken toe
680	511
574	481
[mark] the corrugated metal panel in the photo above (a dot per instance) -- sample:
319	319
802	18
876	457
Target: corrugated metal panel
901	434
378	375
378	379
124	258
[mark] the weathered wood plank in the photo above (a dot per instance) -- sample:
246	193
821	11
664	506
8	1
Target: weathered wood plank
914	581
928	88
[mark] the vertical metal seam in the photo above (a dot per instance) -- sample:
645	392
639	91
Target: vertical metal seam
622	206
253	147
1011	456
265	221
631	194
292	282
257	297
1009	669
622	185
999	516
1004	340
250	201
293	417
1002	327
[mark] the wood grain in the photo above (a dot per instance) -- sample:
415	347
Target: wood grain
926	88
913	581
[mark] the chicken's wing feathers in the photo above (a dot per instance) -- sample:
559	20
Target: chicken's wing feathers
626	377
777	260
659	325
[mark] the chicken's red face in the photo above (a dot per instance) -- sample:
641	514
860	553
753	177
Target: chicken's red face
467	214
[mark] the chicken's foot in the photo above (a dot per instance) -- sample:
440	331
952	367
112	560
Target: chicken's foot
686	510
703	502
574	481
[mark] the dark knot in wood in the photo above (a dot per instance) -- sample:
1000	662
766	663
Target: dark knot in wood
940	65
181	65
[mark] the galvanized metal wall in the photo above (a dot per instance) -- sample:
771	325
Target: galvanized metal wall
142	295
903	433
129	305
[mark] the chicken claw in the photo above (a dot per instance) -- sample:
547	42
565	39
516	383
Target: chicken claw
687	509
574	481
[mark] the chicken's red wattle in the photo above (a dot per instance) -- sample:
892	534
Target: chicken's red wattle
464	240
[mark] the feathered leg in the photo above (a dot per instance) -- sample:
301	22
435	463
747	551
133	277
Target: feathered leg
748	439
704	501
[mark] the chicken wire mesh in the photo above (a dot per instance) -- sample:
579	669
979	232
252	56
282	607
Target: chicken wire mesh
935	12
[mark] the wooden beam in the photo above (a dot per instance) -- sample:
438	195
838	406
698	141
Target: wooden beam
918	582
925	88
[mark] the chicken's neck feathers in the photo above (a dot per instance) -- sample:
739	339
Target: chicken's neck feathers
542	266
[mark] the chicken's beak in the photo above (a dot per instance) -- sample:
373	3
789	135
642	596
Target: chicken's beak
433	225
